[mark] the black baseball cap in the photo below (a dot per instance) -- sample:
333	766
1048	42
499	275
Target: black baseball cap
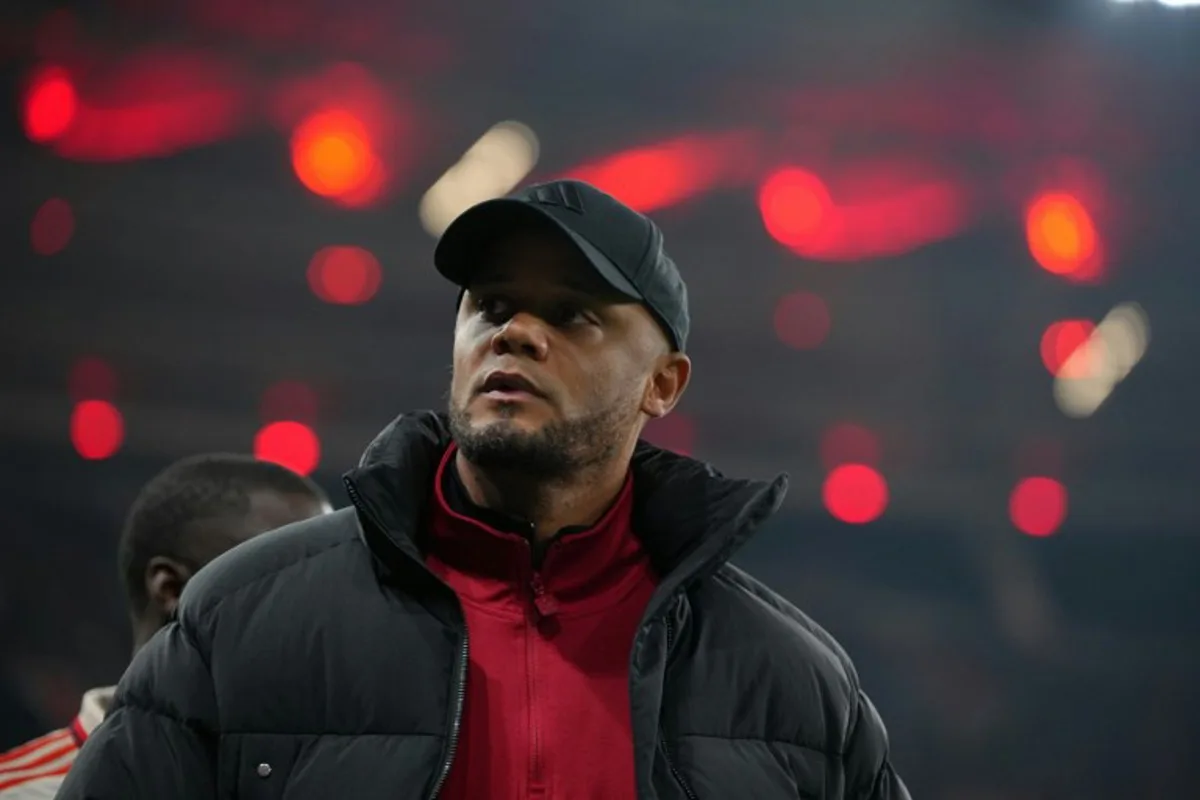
624	247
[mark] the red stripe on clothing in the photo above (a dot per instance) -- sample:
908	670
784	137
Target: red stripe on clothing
79	733
54	772
44	757
29	747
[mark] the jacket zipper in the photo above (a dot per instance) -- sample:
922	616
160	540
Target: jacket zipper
460	695
666	751
536	593
460	689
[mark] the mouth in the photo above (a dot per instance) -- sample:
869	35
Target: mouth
508	386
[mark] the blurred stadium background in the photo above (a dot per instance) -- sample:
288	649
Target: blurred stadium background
943	261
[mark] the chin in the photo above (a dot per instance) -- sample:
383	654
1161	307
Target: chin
506	420
485	409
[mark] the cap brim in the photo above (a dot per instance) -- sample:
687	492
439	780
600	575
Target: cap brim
459	253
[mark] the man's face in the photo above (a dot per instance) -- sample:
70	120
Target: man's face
552	368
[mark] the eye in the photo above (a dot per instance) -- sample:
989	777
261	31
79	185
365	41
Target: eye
565	314
494	308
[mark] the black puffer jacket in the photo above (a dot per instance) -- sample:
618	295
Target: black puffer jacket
325	661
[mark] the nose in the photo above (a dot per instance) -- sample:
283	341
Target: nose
524	335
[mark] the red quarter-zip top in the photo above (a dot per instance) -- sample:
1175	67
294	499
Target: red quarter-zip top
546	713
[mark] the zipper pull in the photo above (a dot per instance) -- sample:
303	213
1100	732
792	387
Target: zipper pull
543	601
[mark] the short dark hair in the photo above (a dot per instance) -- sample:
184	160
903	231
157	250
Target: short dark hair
192	489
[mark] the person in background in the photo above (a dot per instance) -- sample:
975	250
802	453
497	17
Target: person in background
189	514
524	601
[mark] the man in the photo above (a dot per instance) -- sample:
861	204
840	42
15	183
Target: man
189	514
524	601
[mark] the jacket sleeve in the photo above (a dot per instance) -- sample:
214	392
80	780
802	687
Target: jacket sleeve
869	773
158	739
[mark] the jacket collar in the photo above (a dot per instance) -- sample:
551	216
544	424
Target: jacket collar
690	517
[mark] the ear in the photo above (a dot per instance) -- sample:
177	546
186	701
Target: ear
165	579
667	384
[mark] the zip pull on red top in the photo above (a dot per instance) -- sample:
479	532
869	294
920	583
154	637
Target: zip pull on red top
543	601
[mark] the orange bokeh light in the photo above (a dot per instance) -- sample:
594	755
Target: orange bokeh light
855	493
344	275
334	156
1061	341
97	429
1062	236
291	444
1038	506
50	105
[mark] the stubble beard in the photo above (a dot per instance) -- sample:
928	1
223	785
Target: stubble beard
559	451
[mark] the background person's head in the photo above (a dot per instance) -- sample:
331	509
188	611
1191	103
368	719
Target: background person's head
561	352
192	512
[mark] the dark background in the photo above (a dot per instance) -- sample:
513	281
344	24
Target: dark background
1006	665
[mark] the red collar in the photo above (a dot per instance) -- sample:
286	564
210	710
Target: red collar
583	570
92	710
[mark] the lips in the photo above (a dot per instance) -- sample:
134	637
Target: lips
508	383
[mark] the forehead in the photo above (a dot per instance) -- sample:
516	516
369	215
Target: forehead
537	258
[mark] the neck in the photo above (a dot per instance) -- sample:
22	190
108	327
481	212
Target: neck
549	507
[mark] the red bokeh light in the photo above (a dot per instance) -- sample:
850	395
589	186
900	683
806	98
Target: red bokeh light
797	210
344	275
667	173
50	105
1062	236
675	432
52	227
883	208
1038	506
849	443
351	133
645	179
801	320
97	429
92	379
334	156
289	400
291	444
155	101
1061	341
855	493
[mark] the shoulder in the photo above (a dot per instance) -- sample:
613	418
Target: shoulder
756	604
272	558
805	688
36	768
